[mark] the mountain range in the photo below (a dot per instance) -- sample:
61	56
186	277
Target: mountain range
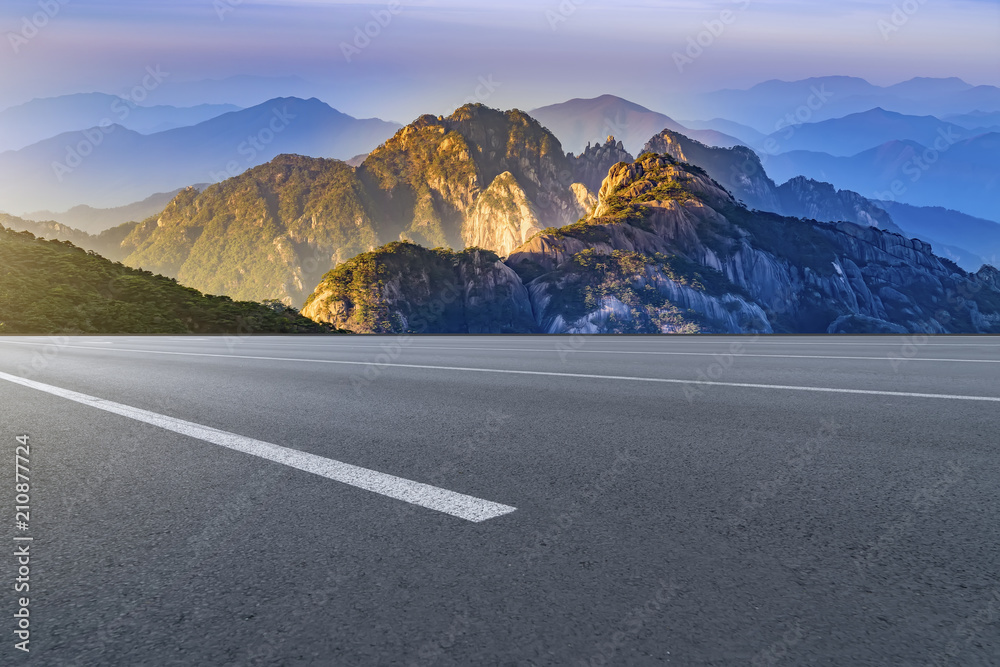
581	122
858	132
667	250
479	177
112	166
958	173
482	222
40	119
768	104
96	220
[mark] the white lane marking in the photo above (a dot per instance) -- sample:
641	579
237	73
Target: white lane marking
583	376
671	354
678	339
416	493
581	351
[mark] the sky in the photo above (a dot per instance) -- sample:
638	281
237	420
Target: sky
430	56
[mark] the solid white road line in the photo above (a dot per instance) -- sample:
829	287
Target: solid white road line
582	351
669	354
424	495
579	376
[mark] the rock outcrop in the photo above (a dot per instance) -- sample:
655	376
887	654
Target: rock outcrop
591	166
404	287
502	217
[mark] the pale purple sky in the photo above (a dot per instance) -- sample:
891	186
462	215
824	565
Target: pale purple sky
431	54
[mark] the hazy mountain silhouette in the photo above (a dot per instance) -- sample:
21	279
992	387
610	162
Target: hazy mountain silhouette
96	220
964	176
43	118
579	122
115	166
768	105
858	132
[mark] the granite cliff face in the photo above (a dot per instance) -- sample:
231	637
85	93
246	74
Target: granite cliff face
404	287
435	170
502	217
669	250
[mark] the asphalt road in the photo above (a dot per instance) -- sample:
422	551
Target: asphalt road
731	514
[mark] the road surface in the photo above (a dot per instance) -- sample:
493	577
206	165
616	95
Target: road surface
505	500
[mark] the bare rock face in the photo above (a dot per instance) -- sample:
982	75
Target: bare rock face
502	217
585	200
479	177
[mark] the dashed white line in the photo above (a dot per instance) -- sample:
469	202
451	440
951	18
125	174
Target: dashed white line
416	493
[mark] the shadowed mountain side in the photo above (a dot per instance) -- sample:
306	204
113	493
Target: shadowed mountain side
107	243
404	287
